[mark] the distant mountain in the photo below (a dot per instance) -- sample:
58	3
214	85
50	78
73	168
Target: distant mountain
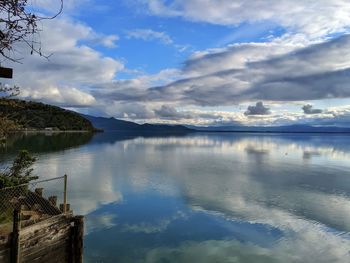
40	116
281	129
112	124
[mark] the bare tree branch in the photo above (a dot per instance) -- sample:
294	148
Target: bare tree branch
18	25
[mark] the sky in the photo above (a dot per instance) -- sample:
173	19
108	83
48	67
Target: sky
198	62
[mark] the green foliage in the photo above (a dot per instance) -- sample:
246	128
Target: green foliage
20	171
6	215
38	116
6	127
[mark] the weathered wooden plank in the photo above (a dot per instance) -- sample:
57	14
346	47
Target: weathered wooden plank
56	252
38	242
6	244
47	234
47	241
4	252
31	230
5	255
57	257
48	248
40	253
55	240
5	240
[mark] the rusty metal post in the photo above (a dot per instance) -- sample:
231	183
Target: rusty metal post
65	194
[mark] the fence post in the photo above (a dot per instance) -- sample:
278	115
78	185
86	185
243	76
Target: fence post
78	239
15	246
65	195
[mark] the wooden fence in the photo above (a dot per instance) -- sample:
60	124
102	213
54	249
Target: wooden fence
58	239
55	236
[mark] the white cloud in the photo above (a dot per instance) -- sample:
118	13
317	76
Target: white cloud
64	96
298	66
108	41
316	72
234	56
242	252
150	35
96	223
285	69
314	19
73	66
306	223
236	74
53	6
160	225
249	197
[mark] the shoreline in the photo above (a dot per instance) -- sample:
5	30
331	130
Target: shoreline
55	131
190	131
286	132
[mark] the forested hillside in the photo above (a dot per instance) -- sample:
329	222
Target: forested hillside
39	116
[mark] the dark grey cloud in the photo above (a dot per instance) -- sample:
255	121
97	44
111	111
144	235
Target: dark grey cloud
232	57
169	112
308	109
324	85
79	76
258	109
227	76
319	71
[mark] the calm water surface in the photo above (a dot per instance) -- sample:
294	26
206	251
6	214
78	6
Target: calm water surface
204	197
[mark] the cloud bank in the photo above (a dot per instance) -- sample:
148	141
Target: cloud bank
314	19
306	64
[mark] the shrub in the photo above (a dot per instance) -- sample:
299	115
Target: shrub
20	172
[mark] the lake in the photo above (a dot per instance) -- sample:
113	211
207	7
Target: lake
218	197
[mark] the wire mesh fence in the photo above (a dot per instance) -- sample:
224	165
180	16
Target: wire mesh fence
36	201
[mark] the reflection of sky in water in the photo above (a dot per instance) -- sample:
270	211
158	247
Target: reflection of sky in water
210	198
148	221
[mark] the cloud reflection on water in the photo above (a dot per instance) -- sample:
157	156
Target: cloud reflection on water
297	184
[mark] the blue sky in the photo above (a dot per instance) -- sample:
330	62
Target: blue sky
153	55
203	62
